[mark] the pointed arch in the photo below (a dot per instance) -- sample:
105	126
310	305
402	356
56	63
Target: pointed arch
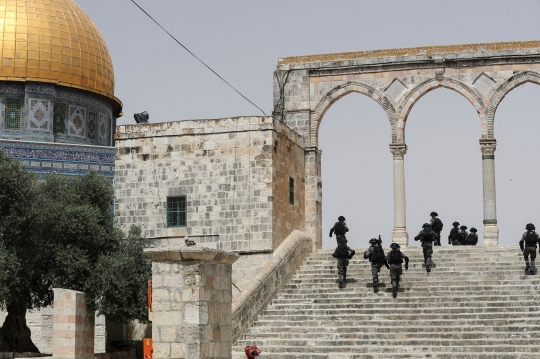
412	96
338	92
502	90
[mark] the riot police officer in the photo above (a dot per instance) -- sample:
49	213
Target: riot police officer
343	253
472	237
340	228
453	237
436	226
375	254
393	261
427	236
528	243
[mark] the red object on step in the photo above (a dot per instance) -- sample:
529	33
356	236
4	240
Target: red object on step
147	348
252	352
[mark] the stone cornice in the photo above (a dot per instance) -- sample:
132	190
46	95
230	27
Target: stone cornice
192	253
415	54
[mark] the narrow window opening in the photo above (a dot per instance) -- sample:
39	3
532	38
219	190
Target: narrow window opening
176	211
275	147
291	190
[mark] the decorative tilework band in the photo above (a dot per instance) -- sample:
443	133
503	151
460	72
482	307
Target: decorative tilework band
490	221
488	157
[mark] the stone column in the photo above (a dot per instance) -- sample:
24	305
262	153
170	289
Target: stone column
399	235
191	302
313	208
73	331
491	232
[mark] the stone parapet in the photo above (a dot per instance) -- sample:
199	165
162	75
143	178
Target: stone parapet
191	302
73	330
287	258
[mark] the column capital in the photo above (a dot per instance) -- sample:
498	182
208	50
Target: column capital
488	146
398	150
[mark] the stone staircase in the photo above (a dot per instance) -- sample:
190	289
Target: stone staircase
476	303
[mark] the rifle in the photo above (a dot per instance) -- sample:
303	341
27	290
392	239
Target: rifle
380	240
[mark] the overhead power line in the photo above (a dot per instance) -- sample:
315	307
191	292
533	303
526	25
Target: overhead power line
192	54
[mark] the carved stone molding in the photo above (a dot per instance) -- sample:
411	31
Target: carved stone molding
488	146
398	151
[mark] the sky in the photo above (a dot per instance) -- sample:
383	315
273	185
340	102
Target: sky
243	40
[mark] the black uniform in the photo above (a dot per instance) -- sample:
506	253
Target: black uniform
472	239
436	226
340	228
528	243
463	237
453	237
376	256
393	261
427	236
343	253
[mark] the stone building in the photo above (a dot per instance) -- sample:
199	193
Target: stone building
235	184
57	105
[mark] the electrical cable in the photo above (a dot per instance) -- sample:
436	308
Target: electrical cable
192	54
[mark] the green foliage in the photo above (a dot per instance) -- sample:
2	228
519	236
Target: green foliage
59	233
118	286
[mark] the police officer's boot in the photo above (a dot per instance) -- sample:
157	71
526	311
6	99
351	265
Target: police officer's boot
533	267
527	266
394	292
375	285
341	277
345	275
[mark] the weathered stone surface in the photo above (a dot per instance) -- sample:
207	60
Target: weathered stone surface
191	302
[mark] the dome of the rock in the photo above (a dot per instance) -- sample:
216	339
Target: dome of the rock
53	41
57	105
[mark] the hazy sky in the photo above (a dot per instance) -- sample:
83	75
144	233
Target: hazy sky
242	41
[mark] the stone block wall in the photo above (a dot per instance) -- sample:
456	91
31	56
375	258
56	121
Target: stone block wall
73	331
288	163
236	186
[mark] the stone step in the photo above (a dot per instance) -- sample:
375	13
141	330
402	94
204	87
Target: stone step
516	331
410	287
348	344
397	318
416	281
354	305
383	299
239	354
477	347
392	311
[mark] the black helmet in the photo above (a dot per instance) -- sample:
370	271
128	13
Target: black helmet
433	214
473	229
455	224
426	225
530	227
394	245
463	227
341	218
373	241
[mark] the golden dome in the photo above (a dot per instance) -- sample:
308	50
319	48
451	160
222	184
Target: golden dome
54	41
